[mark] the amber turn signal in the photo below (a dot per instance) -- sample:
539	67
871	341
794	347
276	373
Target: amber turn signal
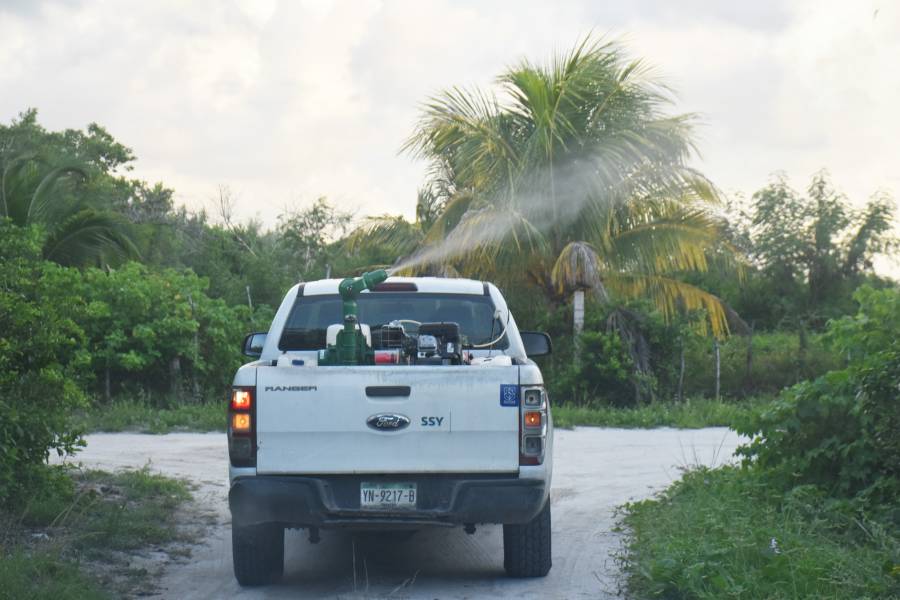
241	399
532	419
240	423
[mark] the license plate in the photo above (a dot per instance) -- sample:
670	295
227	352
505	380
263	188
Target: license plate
387	495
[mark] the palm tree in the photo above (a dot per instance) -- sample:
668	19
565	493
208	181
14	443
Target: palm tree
76	233
402	238
576	172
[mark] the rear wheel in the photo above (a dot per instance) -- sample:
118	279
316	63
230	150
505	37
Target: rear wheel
526	548
258	553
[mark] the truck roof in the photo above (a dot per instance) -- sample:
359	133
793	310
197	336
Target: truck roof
439	285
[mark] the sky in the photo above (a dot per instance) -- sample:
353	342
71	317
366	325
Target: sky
286	101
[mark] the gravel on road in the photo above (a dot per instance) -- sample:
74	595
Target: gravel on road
595	471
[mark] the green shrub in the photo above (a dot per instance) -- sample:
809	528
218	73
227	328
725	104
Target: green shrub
602	371
42	360
840	430
880	387
626	356
158	332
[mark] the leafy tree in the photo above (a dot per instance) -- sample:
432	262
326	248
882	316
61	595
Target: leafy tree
42	359
306	233
576	179
158	331
62	183
815	249
94	149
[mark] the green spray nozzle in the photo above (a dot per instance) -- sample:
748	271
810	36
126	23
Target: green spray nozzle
350	288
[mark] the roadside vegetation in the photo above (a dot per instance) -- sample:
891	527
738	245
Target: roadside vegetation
76	535
729	533
119	310
690	414
138	415
812	512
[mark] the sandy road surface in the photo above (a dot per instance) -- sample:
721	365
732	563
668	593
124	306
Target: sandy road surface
595	470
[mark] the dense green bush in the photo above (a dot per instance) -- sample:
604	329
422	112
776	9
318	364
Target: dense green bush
626	355
42	360
158	332
600	370
65	333
879	403
840	430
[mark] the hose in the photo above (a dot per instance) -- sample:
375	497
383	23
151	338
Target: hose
497	339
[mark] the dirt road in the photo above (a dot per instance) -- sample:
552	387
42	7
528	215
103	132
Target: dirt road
595	470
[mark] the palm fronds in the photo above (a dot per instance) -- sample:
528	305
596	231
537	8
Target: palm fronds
386	230
77	233
672	297
89	236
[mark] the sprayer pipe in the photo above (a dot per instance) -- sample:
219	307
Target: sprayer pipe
492	342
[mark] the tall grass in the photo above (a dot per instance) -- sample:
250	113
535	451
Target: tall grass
44	574
728	533
66	540
135	415
691	414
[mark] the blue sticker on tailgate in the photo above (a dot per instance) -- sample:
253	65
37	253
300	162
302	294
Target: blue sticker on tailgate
509	395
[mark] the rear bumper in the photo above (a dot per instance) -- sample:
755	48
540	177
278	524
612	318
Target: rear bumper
334	501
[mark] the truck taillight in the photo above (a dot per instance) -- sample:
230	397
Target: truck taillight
240	423
532	425
241	398
533	419
242	427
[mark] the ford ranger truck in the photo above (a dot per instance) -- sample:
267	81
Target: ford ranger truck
391	404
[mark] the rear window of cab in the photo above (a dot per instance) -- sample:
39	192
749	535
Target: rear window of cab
310	316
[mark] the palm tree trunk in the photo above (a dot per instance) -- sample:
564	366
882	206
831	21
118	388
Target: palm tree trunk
718	367
578	304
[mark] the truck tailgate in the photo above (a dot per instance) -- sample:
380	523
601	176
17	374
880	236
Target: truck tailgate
323	419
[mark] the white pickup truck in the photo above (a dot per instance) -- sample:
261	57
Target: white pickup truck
390	404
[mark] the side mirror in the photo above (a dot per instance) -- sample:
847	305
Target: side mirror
253	344
536	343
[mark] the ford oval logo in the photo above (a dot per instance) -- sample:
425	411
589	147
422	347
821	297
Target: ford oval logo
387	422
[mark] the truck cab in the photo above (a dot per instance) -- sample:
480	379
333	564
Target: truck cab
379	403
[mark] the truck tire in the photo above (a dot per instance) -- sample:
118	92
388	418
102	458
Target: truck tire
258	553
526	548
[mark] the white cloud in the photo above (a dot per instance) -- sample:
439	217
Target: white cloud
286	101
